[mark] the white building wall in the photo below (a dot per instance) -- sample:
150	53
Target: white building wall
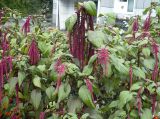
66	9
54	12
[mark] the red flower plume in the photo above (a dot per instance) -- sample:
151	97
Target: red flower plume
33	53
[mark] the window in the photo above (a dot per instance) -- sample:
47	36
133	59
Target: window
130	5
123	0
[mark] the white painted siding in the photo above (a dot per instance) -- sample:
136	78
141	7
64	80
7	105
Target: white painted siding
107	3
54	12
66	9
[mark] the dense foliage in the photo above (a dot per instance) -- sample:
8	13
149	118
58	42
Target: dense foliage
28	7
44	74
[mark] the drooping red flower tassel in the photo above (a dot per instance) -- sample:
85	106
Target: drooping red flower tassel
42	115
10	63
89	86
128	116
1	75
155	49
26	26
139	101
60	70
5	45
1	15
33	53
131	75
17	97
153	100
79	48
1	80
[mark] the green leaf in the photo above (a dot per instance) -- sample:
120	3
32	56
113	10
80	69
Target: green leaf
97	38
64	91
113	104
110	18
5	103
85	96
124	98
146	114
142	42
93	114
70	22
50	92
36	98
92	60
136	86
139	72
84	116
41	67
12	85
118	63
146	52
119	114
149	63
158	91
37	81
21	77
90	7
87	70
74	105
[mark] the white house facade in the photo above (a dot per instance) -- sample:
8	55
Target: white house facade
62	9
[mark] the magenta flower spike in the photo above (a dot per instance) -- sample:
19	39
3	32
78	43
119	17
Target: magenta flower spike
155	49
33	53
10	63
131	75
26	26
1	80
1	75
135	25
59	68
139	101
147	23
103	56
42	115
153	100
5	44
89	86
17	97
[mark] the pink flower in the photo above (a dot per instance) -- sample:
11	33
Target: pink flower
34	53
59	67
42	115
135	25
26	26
103	56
